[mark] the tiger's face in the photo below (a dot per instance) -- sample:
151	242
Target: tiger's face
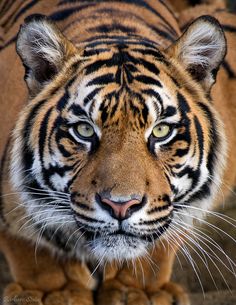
119	140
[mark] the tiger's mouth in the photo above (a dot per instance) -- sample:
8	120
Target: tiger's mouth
121	244
116	237
92	235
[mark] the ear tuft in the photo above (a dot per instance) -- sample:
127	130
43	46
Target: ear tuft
43	50
201	49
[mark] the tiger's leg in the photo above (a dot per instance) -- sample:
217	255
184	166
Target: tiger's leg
148	284
39	279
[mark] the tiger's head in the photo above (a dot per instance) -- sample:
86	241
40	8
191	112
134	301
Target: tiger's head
118	136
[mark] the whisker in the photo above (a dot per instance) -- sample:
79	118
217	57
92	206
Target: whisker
202	251
208	224
213	213
203	236
215	256
48	191
187	255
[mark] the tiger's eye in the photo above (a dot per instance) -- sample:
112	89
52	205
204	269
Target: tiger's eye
85	130
161	131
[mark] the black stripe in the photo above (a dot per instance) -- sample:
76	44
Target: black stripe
170	34
77	110
63	14
43	134
108	28
228	69
41	146
158	209
12	40
105	111
138	3
90	234
12	14
151	92
148	65
214	137
154	221
23	10
148	80
229	28
169	111
91	52
83	206
95	66
66	96
180	152
89	219
163	33
169	10
102	80
158	232
60	133
212	156
183	105
117	59
152	51
103	39
200	138
6	7
27	151
194	2
58	238
63	101
32	183
91	95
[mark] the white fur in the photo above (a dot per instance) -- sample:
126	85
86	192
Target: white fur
40	38
203	44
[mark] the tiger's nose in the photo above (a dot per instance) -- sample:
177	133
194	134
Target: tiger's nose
120	209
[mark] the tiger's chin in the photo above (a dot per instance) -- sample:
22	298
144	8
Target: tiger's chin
118	247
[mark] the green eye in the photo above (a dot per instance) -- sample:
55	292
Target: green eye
161	131
84	130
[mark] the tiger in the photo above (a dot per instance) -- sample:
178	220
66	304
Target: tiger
117	133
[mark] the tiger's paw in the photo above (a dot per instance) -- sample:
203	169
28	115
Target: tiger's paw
14	294
169	294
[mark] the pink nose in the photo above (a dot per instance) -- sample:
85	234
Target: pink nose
121	210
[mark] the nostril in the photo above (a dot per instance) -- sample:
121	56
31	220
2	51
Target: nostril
137	207
106	207
120	209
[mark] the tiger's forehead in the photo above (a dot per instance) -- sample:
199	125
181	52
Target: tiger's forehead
123	82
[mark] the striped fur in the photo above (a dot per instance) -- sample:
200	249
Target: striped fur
122	67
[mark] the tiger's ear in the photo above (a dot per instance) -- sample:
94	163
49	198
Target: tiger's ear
43	50
201	49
